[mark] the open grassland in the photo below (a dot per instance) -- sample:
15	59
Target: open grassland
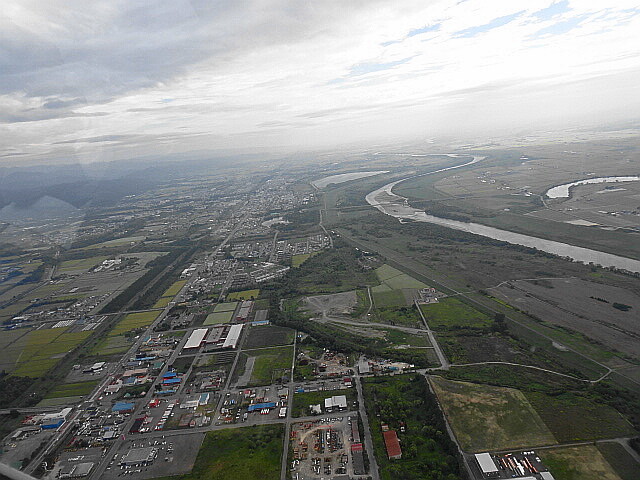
622	462
216	318
225	307
297	260
268	335
270	363
398	337
452	314
406	316
246	453
577	463
243	295
484	417
133	321
302	401
45	348
81	264
162	302
72	389
118	242
573	418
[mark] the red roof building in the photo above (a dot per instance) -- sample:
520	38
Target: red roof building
394	452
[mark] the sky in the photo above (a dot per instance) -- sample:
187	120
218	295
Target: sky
90	81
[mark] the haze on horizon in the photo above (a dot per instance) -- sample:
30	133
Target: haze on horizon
85	81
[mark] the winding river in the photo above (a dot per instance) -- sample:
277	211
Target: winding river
397	206
562	191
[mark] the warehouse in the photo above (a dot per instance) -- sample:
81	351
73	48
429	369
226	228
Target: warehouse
195	339
233	336
76	471
260	406
391	442
338	402
487	465
139	456
123	407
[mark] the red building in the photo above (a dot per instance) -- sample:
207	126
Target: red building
394	452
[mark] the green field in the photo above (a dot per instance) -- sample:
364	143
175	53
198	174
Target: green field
12	342
452	314
45	348
72	389
398	337
269	364
114	243
572	418
111	346
162	302
218	317
395	279
406	316
301	401
484	417
133	321
385	297
225	307
244	295
246	453
268	335
174	289
297	260
577	463
82	264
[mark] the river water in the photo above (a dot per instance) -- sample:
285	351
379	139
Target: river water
397	206
562	191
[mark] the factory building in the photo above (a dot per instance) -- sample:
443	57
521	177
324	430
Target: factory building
233	337
196	339
487	465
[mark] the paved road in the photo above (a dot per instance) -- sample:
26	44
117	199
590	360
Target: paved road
368	441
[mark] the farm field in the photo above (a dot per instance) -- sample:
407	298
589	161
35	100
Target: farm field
225	307
577	463
72	389
174	289
484	417
398	337
216	318
111	346
244	295
384	297
406	316
115	243
45	348
268	335
133	321
572	418
244	453
162	302
302	401
395	279
451	313
12	342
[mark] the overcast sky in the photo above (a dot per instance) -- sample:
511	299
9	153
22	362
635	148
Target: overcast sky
85	80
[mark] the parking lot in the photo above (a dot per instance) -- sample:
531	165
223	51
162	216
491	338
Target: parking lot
323	448
170	455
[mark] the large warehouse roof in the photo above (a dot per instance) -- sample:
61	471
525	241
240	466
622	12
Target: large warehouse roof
487	465
233	336
196	338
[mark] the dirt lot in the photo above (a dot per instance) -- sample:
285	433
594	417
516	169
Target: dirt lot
586	307
336	304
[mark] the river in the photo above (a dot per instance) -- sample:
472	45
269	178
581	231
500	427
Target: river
397	206
562	191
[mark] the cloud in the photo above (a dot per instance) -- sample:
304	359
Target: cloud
105	80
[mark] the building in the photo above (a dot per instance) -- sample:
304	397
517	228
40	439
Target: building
391	442
357	456
546	476
123	407
487	465
139	457
196	339
338	402
260	406
77	470
233	336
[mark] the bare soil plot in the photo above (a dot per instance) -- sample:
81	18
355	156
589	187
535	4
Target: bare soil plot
586	307
334	304
577	463
484	417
